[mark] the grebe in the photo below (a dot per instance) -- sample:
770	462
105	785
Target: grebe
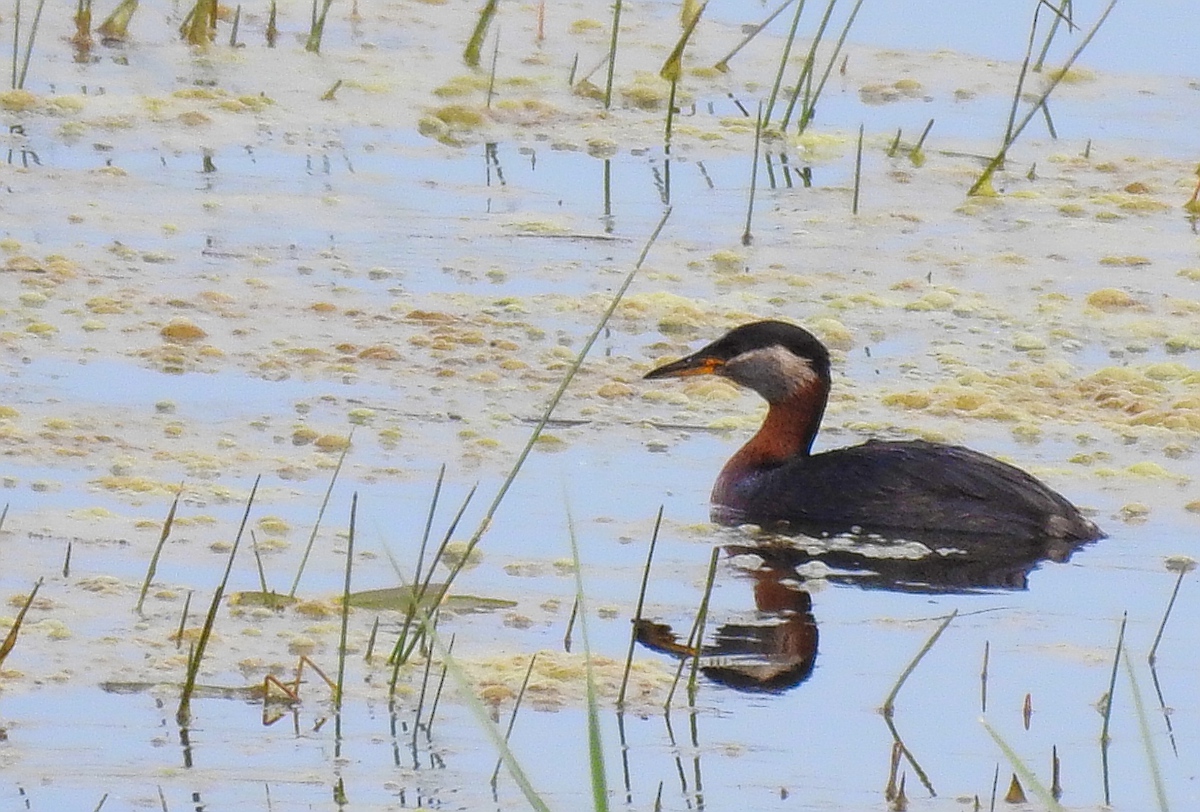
876	487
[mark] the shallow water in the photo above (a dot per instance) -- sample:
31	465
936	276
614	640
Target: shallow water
348	271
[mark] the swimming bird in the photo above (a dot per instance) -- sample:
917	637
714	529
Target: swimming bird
883	487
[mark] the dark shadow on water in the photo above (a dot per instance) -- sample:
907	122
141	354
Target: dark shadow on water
777	649
926	562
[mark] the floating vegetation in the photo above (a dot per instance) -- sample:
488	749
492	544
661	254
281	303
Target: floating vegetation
421	600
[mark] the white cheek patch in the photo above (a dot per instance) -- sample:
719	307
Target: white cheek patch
773	372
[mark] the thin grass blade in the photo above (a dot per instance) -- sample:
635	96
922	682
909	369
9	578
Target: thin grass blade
312	537
10	640
162	540
1022	770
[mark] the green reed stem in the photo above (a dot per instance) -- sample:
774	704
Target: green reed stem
399	656
272	33
37	16
805	78
433	502
857	170
404	647
262	574
237	20
491	91
670	116
924	134
481	714
187	604
1061	14
637	612
1112	687
1160	792
312	537
702	621
553	403
747	237
1022	769
421	699
787	51
16	45
693	642
162	540
116	24
313	44
1183	570
10	640
371	640
672	69
184	712
889	704
612	54
341	672
723	63
983	676
810	101
474	49
437	696
512	717
1016	102
570	625
599	777
984	181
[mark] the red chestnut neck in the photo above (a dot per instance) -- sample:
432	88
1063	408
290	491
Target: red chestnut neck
787	432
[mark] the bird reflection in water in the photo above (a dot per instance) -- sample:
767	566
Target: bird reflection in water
774	652
777	650
927	562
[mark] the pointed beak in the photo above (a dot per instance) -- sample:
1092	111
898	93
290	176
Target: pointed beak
695	364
